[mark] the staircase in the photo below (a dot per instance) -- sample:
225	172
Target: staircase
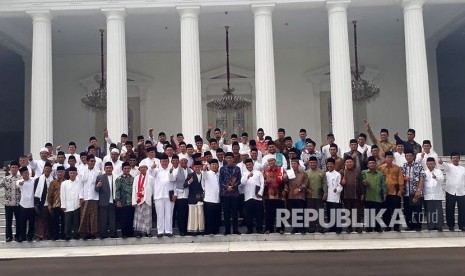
2	206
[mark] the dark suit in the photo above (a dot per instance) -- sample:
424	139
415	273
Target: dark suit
195	188
181	205
106	210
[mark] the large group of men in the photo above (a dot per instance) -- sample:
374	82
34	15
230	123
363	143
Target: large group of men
91	194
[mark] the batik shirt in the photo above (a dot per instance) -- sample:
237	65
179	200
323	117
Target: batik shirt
12	192
123	189
416	173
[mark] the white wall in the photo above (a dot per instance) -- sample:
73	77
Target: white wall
294	91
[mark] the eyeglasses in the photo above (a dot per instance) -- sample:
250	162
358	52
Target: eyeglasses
92	161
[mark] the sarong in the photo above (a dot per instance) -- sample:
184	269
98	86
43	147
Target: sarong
43	221
89	218
143	218
196	220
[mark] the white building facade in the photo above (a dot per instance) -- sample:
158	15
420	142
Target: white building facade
165	59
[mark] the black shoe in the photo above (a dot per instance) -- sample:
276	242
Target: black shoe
9	239
439	229
226	233
281	232
149	235
159	235
182	234
338	232
418	229
19	240
462	229
124	237
303	232
169	235
114	237
451	228
236	232
29	240
67	239
249	232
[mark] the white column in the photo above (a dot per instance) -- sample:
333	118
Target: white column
265	86
117	88
341	88
41	81
191	93
27	102
418	94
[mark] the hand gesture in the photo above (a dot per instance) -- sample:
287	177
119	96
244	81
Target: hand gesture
434	176
59	147
29	157
171	170
335	190
229	189
205	167
210	127
154	166
21	183
422	154
397	133
295	192
151	132
367	124
99	184
105	133
343	182
190	181
171	137
250	175
440	161
224	133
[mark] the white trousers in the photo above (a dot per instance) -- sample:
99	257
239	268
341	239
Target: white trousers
164	208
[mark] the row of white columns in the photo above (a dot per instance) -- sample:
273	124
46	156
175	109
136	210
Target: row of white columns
266	115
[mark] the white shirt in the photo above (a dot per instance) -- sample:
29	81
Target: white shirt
111	180
399	159
334	182
134	171
362	149
433	187
249	184
89	178
422	161
211	186
106	158
27	193
242	167
69	194
162	184
117	167
149	162
38	166
180	193
148	189
455	179
99	163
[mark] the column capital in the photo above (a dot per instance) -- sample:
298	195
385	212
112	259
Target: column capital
114	13
40	15
185	11
413	4
263	9
337	5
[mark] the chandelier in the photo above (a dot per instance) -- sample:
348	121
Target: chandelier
362	90
229	101
96	100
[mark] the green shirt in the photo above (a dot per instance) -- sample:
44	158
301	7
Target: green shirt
123	189
375	189
316	183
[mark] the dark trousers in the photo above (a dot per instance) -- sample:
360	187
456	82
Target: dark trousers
391	203
315	204
72	220
28	221
126	220
354	205
182	214
11	211
296	204
57	228
107	221
241	207
212	213
254	211
230	210
412	212
434	214
370	206
271	205
332	210
451	200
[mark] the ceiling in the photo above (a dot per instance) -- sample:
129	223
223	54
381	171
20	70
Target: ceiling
299	28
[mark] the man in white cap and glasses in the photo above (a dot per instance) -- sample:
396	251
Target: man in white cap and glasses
117	163
38	165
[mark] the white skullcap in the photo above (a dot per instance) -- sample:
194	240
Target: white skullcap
115	151
243	151
44	150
